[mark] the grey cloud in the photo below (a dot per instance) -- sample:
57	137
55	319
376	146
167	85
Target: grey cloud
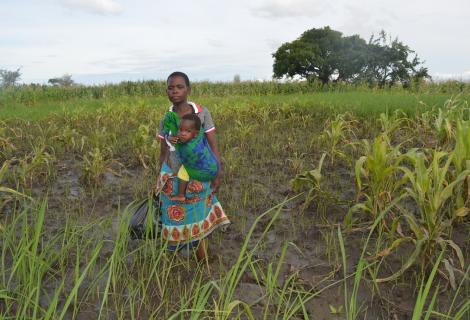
216	43
365	20
464	76
103	7
370	18
273	44
290	8
158	65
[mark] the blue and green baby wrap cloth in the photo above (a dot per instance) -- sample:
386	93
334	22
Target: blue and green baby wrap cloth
185	223
196	154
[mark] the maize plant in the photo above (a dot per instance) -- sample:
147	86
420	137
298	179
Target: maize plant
461	161
71	139
432	189
339	132
7	194
391	123
39	164
311	180
6	145
443	126
103	139
44	135
441	122
377	177
145	147
95	164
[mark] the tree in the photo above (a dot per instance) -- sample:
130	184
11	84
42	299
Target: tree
9	78
64	81
320	53
390	61
325	54
352	60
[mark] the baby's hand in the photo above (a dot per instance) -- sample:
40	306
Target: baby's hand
173	139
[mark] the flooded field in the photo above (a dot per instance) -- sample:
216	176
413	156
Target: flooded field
339	210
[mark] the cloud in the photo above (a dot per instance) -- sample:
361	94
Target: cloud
216	43
290	8
364	20
464	76
273	44
94	6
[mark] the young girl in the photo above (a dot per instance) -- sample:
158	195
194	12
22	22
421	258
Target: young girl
188	223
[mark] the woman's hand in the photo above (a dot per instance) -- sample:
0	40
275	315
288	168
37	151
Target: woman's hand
215	184
173	139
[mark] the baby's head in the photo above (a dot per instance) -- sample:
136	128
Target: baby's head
189	127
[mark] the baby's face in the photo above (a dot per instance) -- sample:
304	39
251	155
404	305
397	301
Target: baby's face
186	131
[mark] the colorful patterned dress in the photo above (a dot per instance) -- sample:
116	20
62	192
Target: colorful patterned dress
185	223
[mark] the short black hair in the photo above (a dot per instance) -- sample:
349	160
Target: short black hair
194	119
179	74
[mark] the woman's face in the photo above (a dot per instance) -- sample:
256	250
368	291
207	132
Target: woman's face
177	90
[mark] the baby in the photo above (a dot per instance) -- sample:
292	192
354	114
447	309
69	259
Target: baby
196	157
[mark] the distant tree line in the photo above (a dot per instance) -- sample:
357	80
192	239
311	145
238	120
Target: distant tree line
64	81
10	78
326	55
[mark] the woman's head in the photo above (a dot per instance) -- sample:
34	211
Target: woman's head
178	87
179	74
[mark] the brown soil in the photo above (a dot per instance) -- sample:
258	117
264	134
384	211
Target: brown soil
310	257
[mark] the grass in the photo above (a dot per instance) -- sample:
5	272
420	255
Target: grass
358	102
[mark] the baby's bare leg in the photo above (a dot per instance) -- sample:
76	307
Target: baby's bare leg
181	196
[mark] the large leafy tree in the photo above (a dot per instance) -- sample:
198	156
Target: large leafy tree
391	61
320	54
352	60
325	54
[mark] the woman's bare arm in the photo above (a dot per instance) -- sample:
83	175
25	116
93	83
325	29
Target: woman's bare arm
163	154
211	139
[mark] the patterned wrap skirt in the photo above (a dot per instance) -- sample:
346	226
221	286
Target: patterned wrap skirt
185	223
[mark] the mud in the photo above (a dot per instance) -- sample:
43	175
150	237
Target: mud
312	256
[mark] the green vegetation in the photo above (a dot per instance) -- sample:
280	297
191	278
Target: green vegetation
32	102
346	202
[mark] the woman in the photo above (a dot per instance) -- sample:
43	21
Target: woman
187	223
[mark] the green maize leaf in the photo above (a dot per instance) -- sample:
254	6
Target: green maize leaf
358	170
359	206
448	191
414	226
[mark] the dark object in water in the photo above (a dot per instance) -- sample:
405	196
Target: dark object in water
139	219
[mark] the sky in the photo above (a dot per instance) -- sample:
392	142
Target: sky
103	41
